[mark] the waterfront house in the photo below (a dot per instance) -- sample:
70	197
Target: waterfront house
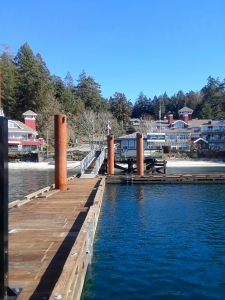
125	146
23	136
179	134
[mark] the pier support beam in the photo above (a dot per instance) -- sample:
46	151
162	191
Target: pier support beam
60	152
110	143
140	154
5	291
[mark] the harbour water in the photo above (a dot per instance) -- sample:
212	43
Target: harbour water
152	241
23	181
159	242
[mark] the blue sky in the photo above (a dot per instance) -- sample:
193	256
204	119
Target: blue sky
127	46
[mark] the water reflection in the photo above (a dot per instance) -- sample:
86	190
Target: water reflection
160	242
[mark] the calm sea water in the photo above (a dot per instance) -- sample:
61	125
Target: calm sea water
26	181
159	242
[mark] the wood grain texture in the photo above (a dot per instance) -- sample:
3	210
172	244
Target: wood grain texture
42	233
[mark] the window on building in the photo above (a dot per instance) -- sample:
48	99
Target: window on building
179	125
131	144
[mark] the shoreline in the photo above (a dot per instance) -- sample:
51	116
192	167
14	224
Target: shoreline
195	163
40	165
175	163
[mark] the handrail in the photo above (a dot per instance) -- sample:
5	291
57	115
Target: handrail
132	153
99	162
86	161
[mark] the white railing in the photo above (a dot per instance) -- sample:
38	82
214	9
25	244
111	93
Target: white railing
99	162
130	153
86	161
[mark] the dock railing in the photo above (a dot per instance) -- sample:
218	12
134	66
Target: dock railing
99	161
132	153
86	161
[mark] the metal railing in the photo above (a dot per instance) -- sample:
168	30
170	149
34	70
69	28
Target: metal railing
131	153
84	164
99	162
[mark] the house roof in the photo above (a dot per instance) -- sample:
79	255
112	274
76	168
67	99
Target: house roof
21	128
29	112
127	136
200	140
184	109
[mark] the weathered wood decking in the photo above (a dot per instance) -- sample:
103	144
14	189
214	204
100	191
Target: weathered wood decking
48	241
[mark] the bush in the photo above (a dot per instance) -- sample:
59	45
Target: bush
194	155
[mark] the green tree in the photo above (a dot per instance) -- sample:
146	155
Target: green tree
120	107
214	96
193	99
34	81
88	90
141	106
9	81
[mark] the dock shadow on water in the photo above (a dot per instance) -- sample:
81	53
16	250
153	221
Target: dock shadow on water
159	242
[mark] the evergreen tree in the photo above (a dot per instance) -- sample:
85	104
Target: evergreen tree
69	81
120	107
141	106
9	81
89	91
34	81
214	96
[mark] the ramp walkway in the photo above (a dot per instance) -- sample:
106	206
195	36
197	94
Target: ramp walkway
92	163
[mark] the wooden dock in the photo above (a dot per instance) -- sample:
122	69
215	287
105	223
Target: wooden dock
50	240
168	178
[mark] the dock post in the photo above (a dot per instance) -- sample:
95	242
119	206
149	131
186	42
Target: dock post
140	160
60	152
110	142
5	291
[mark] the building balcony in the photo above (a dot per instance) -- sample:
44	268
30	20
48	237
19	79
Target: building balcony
222	140
211	130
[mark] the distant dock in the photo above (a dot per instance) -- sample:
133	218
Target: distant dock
168	178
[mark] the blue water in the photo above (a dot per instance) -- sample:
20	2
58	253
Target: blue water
159	242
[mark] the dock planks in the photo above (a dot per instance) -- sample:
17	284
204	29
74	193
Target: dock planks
42	233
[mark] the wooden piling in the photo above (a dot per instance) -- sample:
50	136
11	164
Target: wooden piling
140	154
110	142
60	152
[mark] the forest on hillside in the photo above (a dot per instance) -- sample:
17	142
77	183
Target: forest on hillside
27	84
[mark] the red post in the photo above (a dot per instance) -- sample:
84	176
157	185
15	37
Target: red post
60	152
140	156
110	142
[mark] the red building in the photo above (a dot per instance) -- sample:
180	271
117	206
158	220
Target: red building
23	136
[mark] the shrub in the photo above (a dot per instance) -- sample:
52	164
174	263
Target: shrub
194	155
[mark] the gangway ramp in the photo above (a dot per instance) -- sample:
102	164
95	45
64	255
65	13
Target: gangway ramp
91	164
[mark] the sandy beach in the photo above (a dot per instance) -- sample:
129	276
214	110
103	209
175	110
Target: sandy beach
40	165
195	163
170	163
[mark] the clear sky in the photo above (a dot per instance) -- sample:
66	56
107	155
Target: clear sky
127	46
